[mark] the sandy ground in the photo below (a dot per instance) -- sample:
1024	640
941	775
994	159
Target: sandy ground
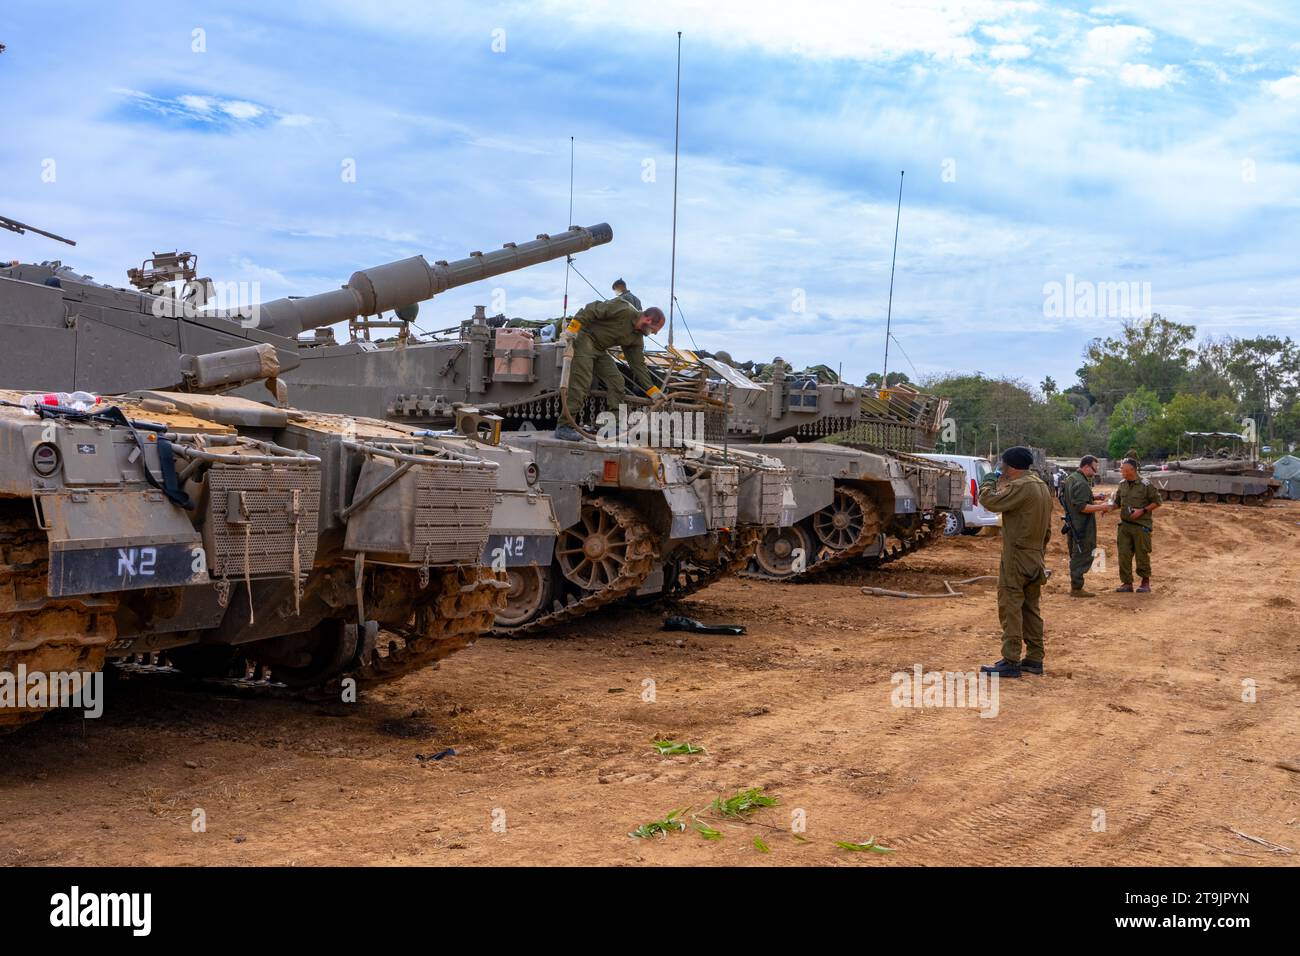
1136	748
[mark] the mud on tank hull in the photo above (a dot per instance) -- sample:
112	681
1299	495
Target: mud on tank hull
224	534
641	522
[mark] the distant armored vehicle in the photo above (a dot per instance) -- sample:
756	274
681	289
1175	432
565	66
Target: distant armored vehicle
1217	475
860	493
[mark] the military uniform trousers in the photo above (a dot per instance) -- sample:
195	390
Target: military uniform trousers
1134	542
1020	583
588	360
1081	553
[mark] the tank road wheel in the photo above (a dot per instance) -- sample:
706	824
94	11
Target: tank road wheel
841	523
1232	499
528	593
1211	498
1193	496
1177	495
593	552
1252	499
776	553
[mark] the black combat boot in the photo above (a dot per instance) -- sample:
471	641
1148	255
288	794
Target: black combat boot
1002	668
1035	667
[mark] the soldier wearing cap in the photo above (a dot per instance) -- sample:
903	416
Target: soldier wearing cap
621	291
1135	498
1025	503
595	329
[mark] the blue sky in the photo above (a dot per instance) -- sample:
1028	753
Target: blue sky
1152	142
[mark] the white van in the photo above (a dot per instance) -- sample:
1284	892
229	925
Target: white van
973	516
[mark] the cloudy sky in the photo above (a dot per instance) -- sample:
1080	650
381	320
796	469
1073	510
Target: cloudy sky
1152	142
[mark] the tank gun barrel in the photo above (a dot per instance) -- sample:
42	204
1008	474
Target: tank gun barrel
13	225
396	285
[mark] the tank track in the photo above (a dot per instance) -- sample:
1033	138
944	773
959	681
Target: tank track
44	634
462	612
637	567
693	576
833	559
1201	498
912	543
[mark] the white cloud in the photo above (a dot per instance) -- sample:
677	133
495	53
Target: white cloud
1009	51
1287	88
1115	44
241	110
1144	77
819	29
1009	34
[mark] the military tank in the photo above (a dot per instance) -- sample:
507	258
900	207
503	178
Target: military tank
860	494
1223	475
228	534
634	520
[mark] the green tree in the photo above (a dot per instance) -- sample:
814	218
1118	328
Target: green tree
1132	422
1153	353
1186	413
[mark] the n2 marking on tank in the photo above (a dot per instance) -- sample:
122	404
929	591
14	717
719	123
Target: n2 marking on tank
91	570
517	550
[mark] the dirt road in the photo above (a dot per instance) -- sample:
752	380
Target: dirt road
1142	745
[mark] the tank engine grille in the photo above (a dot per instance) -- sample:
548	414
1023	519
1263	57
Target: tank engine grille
258	515
453	512
772	495
724	496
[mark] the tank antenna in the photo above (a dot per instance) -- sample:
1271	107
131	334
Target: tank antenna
889	311
568	260
677	137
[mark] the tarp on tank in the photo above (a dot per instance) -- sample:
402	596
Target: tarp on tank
1287	470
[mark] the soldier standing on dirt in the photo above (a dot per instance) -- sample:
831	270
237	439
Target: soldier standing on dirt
1083	507
1025	503
1135	498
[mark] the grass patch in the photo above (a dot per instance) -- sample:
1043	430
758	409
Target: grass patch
671	748
669	824
747	801
869	845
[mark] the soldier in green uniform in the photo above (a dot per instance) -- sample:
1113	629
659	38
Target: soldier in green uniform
1025	504
595	329
1135	498
621	292
1083	507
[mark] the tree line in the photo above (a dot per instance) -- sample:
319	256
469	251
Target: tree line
1137	391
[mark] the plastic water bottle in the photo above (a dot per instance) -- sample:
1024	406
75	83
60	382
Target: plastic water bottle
78	401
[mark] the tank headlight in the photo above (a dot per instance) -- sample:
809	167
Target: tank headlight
45	459
530	473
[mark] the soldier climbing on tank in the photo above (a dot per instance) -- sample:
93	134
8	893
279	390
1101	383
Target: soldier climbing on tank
1135	498
1025	503
621	292
1081	509
595	329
